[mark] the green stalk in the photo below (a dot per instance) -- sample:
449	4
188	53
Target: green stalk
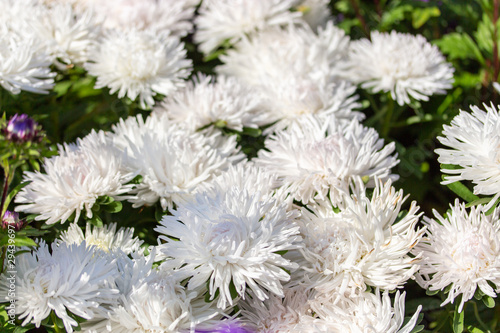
54	320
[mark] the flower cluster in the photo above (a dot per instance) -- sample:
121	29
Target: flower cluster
251	197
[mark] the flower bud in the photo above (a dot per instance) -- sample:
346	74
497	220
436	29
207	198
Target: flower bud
21	128
12	219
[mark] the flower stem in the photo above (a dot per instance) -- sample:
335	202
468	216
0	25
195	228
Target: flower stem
478	318
4	192
54	320
360	17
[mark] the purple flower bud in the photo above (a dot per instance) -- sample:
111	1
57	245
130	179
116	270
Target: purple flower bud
21	128
12	219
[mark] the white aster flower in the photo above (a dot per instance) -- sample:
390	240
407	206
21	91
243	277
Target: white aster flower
105	238
276	314
227	21
157	303
139	64
230	239
369	313
296	71
24	65
171	161
71	279
315	158
462	252
403	64
74	180
68	36
165	16
208	101
472	142
365	243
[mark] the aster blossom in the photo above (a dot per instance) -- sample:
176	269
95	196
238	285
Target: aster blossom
74	180
365	243
67	35
296	71
67	279
208	101
104	238
24	65
230	238
172	161
403	64
156	303
229	20
472	142
461	251
365	312
139	64
313	158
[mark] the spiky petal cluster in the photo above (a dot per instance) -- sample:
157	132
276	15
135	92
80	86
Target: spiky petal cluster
139	64
316	158
230	239
172	161
405	65
74	180
105	238
68	279
366	243
229	20
209	102
366	312
461	251
472	143
296	71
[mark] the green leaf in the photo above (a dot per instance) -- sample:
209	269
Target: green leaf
462	191
394	15
113	207
460	46
253	132
488	301
458	320
431	292
473	329
24	241
480	201
421	15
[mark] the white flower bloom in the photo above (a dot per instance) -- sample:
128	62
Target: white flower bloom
171	161
227	21
157	303
315	158
363	244
296	71
139	64
231	239
70	279
472	142
370	313
67	35
105	238
74	180
24	65
276	314
208	101
165	16
403	64
461	251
